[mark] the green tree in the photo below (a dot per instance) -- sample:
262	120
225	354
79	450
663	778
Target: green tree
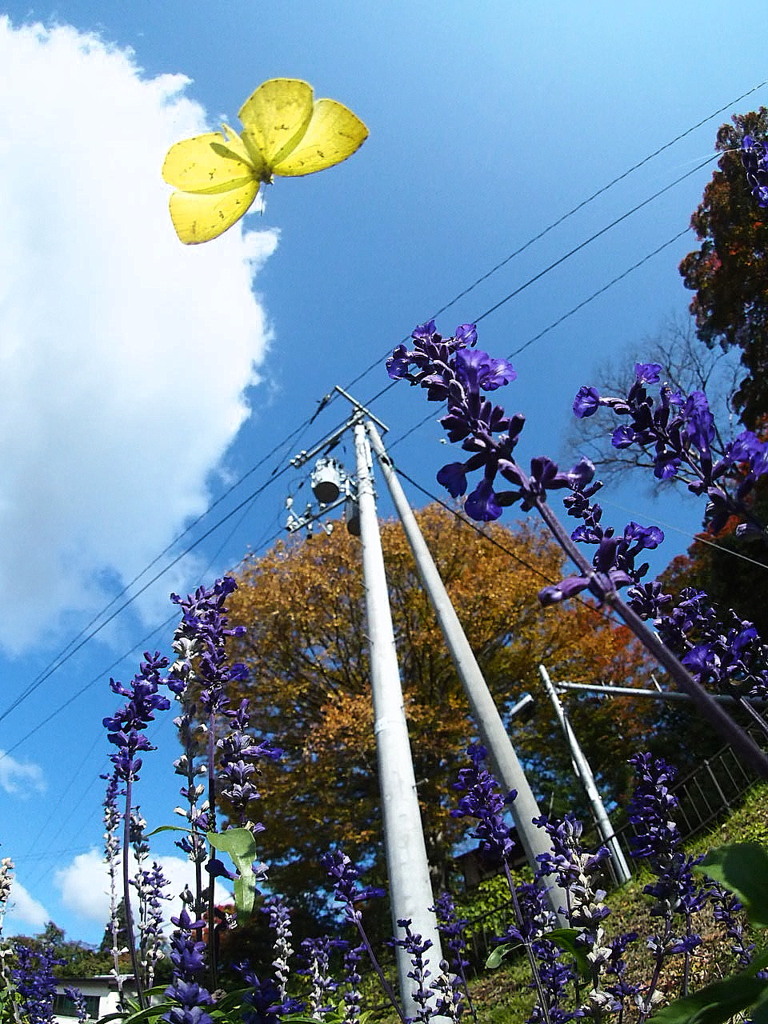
80	960
305	647
727	272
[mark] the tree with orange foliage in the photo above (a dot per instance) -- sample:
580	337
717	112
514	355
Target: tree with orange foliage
306	651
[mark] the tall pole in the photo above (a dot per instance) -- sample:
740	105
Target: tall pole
410	889
584	773
490	726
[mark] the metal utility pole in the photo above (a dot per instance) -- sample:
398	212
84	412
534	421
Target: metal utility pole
410	886
490	726
584	773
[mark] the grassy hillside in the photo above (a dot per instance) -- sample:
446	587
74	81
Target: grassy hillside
503	996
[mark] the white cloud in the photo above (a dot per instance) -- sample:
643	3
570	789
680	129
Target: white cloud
124	355
20	778
24	914
84	885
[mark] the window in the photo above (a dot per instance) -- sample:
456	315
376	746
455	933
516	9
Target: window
63	1006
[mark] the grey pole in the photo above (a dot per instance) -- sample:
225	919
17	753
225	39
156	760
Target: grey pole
493	734
633	691
410	889
584	773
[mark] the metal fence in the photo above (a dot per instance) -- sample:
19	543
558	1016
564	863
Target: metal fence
704	796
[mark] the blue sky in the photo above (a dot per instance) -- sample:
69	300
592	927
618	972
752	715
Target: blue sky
141	379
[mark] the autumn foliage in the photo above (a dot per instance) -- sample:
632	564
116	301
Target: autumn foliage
305	647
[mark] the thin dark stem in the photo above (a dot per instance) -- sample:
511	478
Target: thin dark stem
686	979
212	951
733	733
648	998
467	994
535	973
388	990
127	896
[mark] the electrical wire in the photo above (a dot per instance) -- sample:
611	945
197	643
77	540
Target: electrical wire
85	636
72	650
575	209
87	633
556	323
592	238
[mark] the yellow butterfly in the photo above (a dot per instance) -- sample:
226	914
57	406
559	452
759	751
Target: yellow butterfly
285	132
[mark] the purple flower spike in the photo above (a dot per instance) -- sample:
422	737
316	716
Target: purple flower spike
126	727
676	892
484	802
346	884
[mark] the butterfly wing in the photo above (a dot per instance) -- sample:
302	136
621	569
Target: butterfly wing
275	117
199	216
209	164
333	134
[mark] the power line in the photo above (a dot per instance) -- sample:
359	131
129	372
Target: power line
562	259
592	238
85	635
555	323
575	209
596	294
73	649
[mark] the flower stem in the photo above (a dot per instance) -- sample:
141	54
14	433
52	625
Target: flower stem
127	895
535	973
740	740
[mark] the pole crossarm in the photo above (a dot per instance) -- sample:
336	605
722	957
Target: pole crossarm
631	691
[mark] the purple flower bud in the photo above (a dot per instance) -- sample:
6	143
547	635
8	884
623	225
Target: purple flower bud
699	426
454	478
647	373
467	333
586	403
482	504
623	437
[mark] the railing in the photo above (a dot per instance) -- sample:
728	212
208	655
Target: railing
704	796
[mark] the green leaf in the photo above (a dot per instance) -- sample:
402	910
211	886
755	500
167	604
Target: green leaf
240	844
759	1012
498	954
566	939
167	828
715	1003
135	1017
742	868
